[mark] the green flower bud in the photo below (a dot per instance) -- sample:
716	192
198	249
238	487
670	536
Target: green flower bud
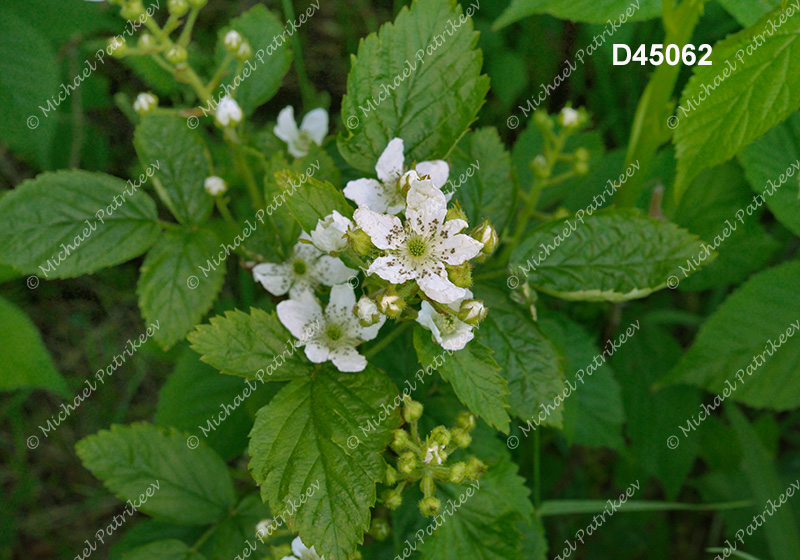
392	499
427	486
407	462
460	275
232	41
540	167
429	506
400	440
542	120
457	473
178	8
145	103
379	529
244	52
391	304
581	168
359	241
487	235
582	154
146	42
412	410
461	437
465	420
455	213
441	435
176	54
132	10
391	476
472	312
117	48
475	468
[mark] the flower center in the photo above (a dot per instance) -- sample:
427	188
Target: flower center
446	323
333	332
417	246
303	141
299	266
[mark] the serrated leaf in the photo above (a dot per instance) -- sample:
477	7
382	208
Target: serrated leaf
52	210
311	200
193	485
590	11
531	364
172	289
759	91
180	155
609	256
269	64
301	445
26	361
474	375
170	549
437	94
747	12
763	309
242	344
480	173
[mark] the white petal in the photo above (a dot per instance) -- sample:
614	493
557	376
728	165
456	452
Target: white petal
392	268
342	295
286	129
385	231
437	169
459	338
426	318
300	288
275	277
298	548
296	314
425	203
368	333
390	164
347	358
437	286
306	251
317	353
458	249
367	192
316	123
331	270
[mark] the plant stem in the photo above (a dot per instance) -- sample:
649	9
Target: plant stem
186	34
307	92
203	538
377	347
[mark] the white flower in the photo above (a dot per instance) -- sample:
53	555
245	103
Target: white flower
449	331
569	116
308	267
420	250
215	185
328	236
302	552
383	195
314	128
433	452
145	103
228	112
337	331
232	40
367	312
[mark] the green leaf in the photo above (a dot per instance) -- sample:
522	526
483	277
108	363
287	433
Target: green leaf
747	12
531	365
474	375
148	531
172	289
479	517
745	94
767	163
263	73
64	224
237	531
740	335
189	486
433	95
593	414
480	173
179	154
301	445
758	465
26	361
29	80
589	11
607	256
242	344
170	549
309	199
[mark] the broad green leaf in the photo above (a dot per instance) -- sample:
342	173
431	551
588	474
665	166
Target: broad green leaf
187	486
740	344
767	164
147	531
72	19
195	395
709	209
607	256
751	86
242	344
474	375
170	549
29	89
310	200
531	365
593	413
65	224
26	361
166	143
747	12
417	79
758	465
172	289
301	445
590	11
261	76
479	517
480	176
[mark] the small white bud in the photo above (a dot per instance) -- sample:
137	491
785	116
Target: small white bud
472	311
367	312
145	103
228	112
232	41
569	117
215	185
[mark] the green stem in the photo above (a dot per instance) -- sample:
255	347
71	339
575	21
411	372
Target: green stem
307	91
378	346
241	163
186	34
222	206
203	538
